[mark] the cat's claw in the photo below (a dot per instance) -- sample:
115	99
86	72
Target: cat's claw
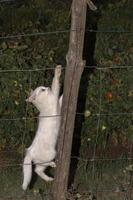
58	71
49	179
53	165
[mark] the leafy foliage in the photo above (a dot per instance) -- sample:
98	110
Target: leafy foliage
110	90
26	53
112	87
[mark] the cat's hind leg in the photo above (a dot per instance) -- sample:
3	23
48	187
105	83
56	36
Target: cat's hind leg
50	164
40	171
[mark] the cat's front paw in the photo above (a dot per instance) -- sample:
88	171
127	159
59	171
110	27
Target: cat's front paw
52	164
58	71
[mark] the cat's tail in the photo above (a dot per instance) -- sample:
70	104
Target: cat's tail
27	171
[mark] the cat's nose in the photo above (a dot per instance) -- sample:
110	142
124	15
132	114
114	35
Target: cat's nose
30	99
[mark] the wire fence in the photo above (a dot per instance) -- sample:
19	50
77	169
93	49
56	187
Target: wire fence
94	160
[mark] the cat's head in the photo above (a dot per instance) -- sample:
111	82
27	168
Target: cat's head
40	97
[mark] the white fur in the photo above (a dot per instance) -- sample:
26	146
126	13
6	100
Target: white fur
43	148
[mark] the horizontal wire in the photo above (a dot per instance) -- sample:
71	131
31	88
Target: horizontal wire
101	159
72	157
109	31
50	116
34	34
62	31
52	68
106	114
27	70
27	118
21	164
110	67
3	165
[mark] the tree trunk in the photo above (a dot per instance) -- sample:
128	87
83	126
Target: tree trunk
74	69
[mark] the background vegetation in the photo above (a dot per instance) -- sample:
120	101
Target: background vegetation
27	53
110	89
106	119
107	127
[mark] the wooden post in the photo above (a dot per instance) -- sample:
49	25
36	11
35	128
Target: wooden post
74	69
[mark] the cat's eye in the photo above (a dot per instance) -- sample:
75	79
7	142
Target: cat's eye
43	89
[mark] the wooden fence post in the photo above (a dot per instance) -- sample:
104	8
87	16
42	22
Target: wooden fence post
74	69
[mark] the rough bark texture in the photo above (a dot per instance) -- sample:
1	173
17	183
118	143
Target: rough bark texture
74	69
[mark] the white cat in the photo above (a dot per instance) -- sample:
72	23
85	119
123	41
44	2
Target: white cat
43	148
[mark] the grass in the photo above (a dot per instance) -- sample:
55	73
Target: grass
11	181
10	186
104	180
